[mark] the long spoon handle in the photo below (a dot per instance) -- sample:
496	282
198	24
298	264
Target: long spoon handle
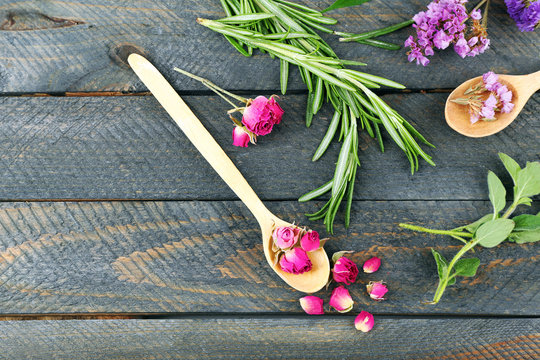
197	134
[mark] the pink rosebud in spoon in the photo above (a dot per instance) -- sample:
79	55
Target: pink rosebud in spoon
312	305
295	261
261	114
240	137
372	265
310	241
364	321
376	290
341	300
285	236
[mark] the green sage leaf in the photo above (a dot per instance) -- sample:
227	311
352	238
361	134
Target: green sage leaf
475	225
511	165
497	192
338	4
528	180
442	264
494	232
522	237
466	267
526	222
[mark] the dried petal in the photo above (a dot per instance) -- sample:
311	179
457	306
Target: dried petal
341	300
364	321
310	241
372	265
345	271
312	305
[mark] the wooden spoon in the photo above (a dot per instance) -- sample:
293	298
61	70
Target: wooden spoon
458	118
308	282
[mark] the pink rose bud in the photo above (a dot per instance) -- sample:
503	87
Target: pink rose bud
341	300
364	321
376	290
261	115
372	265
312	305
345	271
295	261
285	237
310	241
240	137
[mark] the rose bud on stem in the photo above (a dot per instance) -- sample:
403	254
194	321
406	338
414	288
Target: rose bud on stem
259	115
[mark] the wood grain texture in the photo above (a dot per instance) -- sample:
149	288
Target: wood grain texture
129	148
57	46
185	257
272	338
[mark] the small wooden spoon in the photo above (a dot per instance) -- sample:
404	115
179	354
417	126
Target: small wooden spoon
458	118
309	282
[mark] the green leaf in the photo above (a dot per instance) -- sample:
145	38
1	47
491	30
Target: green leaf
339	254
522	237
442	264
466	267
511	166
245	18
338	4
475	225
526	222
528	180
497	192
494	232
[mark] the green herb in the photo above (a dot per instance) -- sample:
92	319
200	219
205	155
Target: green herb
287	30
338	4
492	229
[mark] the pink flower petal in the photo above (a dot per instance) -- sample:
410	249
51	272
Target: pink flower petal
312	305
372	265
341	300
364	321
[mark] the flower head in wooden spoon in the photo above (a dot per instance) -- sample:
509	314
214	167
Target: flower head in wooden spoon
458	116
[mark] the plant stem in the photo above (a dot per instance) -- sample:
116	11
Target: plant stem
435	231
444	283
347	37
212	86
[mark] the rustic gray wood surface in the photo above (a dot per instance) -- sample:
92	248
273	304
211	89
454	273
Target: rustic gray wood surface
108	212
234	338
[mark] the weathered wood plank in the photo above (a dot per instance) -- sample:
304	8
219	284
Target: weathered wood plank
128	148
159	257
272	338
81	46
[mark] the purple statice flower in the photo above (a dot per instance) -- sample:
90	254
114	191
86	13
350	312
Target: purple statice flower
488	107
442	24
526	13
490	79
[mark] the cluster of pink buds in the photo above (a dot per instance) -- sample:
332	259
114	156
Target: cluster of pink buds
258	119
345	272
486	98
259	115
291	245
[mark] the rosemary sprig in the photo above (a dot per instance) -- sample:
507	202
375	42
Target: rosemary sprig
287	30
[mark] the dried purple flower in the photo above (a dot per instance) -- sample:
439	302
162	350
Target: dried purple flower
526	13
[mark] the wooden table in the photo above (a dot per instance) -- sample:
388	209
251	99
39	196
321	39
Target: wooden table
117	240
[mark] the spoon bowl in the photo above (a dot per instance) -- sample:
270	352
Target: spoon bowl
458	118
308	282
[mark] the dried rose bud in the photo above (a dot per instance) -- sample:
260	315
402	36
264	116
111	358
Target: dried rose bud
312	305
341	300
285	236
376	290
310	241
345	271
261	114
295	261
240	137
372	265
364	321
